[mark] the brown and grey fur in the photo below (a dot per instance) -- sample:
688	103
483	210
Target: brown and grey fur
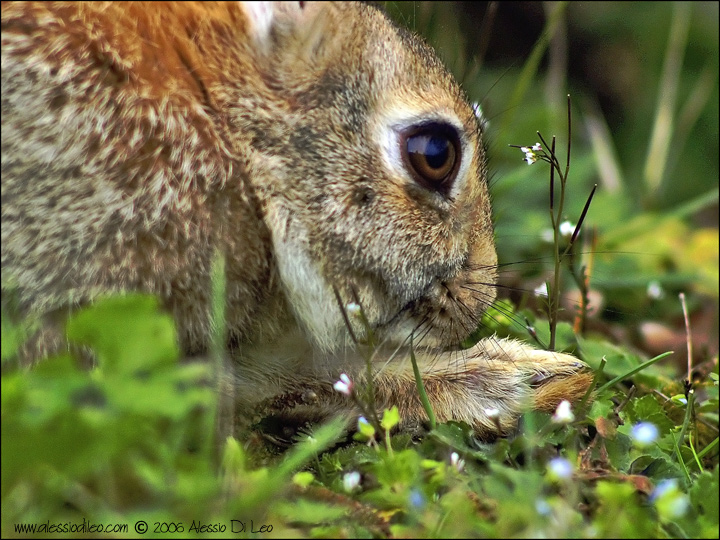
137	139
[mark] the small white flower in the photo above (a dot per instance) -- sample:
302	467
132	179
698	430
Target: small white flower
537	147
351	480
530	156
644	433
492	413
655	290
563	413
566	229
456	462
344	385
541	290
353	309
560	469
547	235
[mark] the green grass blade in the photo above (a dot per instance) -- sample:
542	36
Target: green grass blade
421	389
633	371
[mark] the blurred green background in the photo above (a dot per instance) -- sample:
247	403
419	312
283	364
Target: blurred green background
643	78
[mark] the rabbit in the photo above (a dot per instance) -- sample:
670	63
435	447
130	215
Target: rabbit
326	153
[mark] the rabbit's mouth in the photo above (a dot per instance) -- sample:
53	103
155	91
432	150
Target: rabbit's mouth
444	315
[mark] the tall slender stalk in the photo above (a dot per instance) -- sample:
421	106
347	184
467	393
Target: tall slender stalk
547	153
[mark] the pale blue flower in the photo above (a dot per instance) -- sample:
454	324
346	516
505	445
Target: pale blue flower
670	501
417	499
351	480
644	433
655	290
560	469
542	507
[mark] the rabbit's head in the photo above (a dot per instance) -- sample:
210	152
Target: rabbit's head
370	168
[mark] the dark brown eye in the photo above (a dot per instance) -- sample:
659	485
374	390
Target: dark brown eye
432	155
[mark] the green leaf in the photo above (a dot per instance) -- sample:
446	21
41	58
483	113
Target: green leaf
647	409
365	430
657	468
128	333
704	498
453	434
620	514
310	512
303	478
391	418
600	408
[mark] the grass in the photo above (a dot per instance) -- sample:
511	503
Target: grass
129	443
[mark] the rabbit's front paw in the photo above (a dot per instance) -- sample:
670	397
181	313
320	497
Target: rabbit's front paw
490	385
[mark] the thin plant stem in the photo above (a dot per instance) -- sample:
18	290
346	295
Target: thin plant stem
569	138
533	333
686	422
554	294
596	378
676	444
344	316
224	408
552	187
631	394
694	453
370	381
369	411
388	443
688	382
584	212
548	154
708	448
421	388
688	337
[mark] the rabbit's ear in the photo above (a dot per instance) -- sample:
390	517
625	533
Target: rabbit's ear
301	25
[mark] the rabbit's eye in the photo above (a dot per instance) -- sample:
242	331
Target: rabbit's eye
431	154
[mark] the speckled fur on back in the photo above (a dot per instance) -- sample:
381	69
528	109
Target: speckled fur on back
138	138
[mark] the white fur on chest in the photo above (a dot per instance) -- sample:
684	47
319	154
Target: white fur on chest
310	296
